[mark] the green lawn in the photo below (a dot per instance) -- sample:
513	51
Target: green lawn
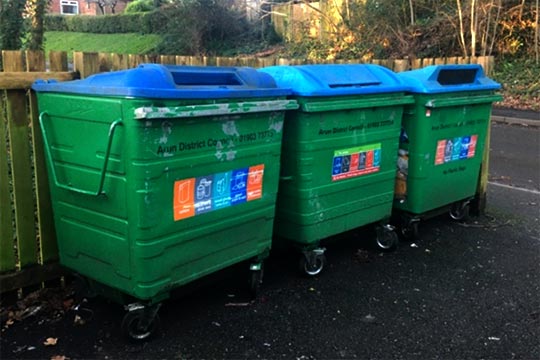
114	43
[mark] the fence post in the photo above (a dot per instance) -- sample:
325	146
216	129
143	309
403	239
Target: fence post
479	206
119	61
47	235
58	61
401	65
18	134
35	61
7	253
416	63
86	63
105	62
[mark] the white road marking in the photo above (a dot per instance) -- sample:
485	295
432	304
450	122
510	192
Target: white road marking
514	188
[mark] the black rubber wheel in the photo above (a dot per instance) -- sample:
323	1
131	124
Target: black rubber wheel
386	240
314	268
460	211
82	288
132	329
409	232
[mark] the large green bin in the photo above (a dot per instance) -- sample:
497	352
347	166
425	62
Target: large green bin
338	156
442	142
160	175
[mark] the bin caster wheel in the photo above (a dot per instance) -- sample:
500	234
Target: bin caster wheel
312	262
141	324
255	282
386	239
82	288
460	211
409	231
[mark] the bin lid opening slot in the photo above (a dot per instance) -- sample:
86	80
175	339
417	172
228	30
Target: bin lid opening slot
457	76
353	85
206	79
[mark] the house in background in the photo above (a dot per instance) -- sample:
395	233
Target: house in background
87	7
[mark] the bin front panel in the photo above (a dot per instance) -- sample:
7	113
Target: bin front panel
338	166
441	149
184	196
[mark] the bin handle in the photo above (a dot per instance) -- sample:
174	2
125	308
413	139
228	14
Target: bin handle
336	105
190	111
48	153
471	100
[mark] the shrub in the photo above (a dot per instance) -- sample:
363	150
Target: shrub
139	6
146	23
198	27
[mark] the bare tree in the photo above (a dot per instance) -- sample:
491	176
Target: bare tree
536	36
411	10
104	4
35	9
461	29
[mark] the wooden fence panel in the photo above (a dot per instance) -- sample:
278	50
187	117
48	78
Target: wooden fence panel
7	245
167	60
119	62
58	61
86	63
47	235
183	60
35	61
28	249
439	61
105	62
416	63
18	134
21	170
12	60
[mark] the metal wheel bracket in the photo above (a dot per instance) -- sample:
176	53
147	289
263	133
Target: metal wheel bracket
311	255
149	312
312	261
255	266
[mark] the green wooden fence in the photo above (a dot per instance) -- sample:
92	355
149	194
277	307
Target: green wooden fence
28	250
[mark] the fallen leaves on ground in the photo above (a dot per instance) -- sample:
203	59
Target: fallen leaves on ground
50	341
59	357
49	303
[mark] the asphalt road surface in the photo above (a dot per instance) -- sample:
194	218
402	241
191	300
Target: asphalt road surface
463	291
515	156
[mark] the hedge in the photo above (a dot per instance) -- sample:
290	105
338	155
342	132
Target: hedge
144	23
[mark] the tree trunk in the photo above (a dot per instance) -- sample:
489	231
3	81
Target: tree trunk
495	24
473	25
411	9
36	12
461	29
485	35
536	37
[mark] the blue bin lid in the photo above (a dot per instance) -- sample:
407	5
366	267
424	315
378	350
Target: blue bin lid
448	78
336	79
171	82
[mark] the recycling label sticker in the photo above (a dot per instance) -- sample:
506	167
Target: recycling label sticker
357	161
458	148
199	195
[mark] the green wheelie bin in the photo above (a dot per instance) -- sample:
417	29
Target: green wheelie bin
161	175
442	142
338	155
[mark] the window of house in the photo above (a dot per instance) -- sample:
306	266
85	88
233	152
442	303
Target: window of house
69	7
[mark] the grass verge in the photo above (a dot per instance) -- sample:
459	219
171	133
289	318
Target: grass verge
115	43
520	79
